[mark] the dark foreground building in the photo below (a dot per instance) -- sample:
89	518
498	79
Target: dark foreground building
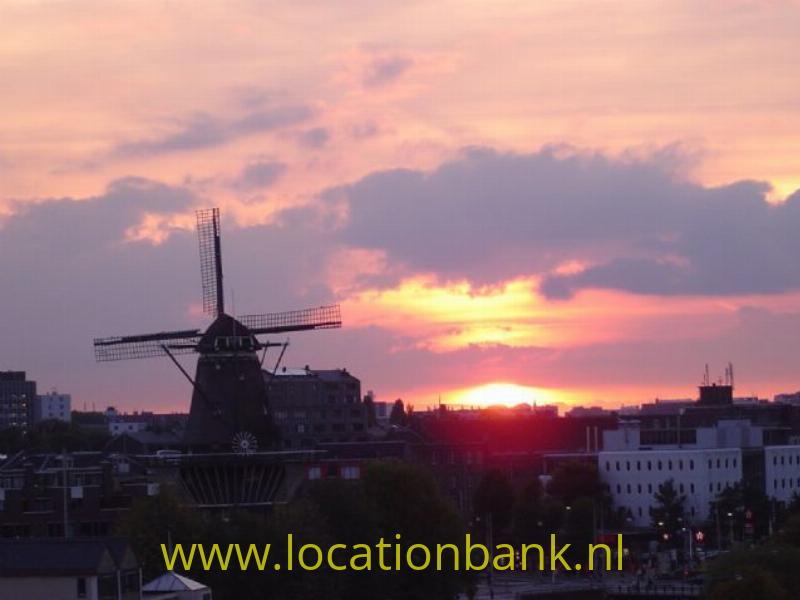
313	406
69	569
17	396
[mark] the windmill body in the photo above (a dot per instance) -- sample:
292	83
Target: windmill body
230	408
229	402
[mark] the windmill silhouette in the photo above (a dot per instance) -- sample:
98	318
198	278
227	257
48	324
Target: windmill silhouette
229	400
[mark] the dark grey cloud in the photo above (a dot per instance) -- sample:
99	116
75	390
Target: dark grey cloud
202	130
75	278
488	217
385	69
485	217
314	138
260	174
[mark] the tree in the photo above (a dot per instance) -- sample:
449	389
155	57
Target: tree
768	571
369	407
398	415
494	497
574	480
751	583
527	515
737	501
669	512
155	520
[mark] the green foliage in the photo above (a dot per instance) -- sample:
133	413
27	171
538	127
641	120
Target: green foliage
52	436
398	415
751	583
528	524
737	500
494	497
768	572
574	480
669	512
156	520
391	498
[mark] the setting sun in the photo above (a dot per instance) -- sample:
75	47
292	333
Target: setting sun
506	394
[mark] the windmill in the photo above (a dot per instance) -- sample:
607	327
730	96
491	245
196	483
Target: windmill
229	400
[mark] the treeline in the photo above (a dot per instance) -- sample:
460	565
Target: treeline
389	499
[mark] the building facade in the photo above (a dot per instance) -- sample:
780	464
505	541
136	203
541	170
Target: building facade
52	406
17	395
718	457
69	570
317	406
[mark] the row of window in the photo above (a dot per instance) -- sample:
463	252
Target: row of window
793	459
784	484
640	488
282	415
650	511
335	427
659	464
347	472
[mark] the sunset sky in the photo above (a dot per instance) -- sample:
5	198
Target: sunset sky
572	202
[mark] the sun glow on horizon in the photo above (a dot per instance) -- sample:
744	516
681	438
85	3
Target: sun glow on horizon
507	394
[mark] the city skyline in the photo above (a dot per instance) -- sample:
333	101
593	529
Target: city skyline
573	204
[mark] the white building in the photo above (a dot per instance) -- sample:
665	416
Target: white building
52	406
782	472
700	470
633	477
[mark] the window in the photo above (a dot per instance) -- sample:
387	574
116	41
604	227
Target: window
659	465
638	465
649	465
734	463
629	488
81	587
351	472
649	488
314	473
619	489
710	465
617	465
669	465
691	488
680	465
608	466
627	465
691	465
639	488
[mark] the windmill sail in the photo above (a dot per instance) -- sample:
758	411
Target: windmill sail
210	261
322	317
145	346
